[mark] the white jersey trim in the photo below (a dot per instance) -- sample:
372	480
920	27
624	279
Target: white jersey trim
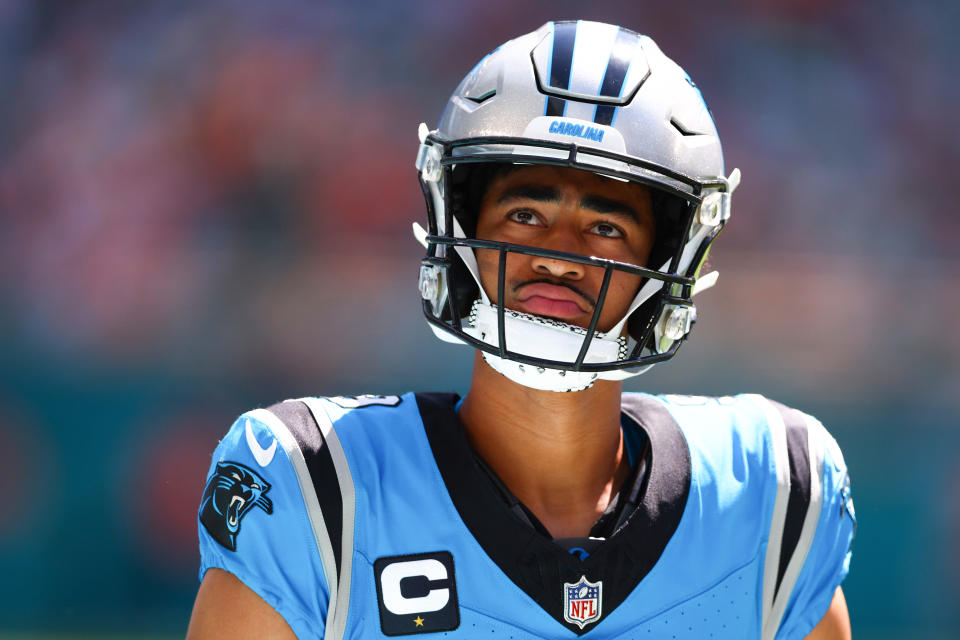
815	433
314	513
775	601
778	435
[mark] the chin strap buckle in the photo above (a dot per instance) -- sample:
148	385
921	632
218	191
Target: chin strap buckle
675	323
428	163
433	285
430	282
678	320
715	207
428	157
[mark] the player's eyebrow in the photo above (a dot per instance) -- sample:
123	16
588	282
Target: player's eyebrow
600	204
524	192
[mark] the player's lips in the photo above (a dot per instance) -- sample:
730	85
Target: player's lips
542	299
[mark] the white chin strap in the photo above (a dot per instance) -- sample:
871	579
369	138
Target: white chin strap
539	337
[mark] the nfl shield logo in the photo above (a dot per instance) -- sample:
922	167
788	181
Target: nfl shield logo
581	601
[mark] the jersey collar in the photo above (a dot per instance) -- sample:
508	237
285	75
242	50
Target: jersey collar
533	561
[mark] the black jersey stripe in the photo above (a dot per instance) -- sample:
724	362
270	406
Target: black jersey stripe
561	62
624	50
798	503
300	422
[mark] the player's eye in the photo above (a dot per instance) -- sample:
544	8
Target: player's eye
523	216
237	476
254	486
607	230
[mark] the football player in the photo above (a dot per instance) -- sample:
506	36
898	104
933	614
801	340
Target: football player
574	185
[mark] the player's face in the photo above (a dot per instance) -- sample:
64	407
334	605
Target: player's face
566	210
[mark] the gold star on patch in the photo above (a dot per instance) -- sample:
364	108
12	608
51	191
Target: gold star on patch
419	621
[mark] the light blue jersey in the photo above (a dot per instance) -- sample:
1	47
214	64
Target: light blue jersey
370	517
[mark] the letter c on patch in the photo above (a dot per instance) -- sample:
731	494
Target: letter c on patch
394	600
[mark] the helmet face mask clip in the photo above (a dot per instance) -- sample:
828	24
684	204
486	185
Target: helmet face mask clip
691	210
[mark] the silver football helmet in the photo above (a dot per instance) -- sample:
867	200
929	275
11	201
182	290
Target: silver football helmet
589	96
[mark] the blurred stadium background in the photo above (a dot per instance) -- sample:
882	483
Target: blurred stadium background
205	207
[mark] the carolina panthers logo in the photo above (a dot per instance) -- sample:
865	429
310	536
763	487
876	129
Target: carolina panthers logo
231	492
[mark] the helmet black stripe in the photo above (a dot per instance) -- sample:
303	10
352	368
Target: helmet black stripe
561	60
624	50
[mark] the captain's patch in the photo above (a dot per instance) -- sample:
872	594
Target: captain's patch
231	492
417	593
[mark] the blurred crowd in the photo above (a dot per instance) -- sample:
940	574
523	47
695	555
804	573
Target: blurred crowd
163	163
204	205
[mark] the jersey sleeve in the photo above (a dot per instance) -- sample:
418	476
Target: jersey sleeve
253	522
828	558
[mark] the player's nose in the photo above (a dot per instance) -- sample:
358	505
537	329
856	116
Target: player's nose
564	240
557	268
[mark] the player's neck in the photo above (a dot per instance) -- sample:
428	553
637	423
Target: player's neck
561	454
